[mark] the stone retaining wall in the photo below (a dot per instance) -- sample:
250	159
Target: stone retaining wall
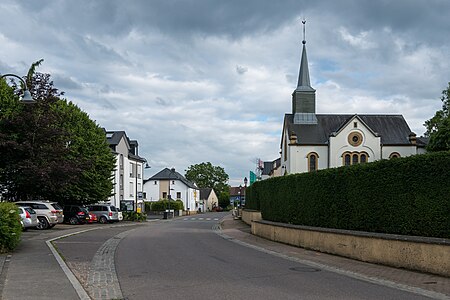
431	255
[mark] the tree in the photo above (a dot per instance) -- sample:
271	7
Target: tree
438	127
51	149
205	175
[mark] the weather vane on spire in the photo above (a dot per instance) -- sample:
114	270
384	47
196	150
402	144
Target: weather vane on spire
304	31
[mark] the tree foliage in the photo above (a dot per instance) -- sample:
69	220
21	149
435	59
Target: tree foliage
205	175
438	127
51	149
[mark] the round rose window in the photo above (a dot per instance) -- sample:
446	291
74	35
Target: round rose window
355	139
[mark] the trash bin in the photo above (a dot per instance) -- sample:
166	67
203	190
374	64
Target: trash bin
166	215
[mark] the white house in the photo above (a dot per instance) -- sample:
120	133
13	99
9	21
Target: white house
128	173
208	199
169	182
313	141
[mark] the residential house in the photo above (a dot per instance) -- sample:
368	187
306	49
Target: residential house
168	183
271	169
208	199
128	173
237	195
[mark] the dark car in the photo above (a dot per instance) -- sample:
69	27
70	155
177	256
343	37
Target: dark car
75	214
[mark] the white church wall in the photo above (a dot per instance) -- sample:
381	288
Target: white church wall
402	150
300	164
340	144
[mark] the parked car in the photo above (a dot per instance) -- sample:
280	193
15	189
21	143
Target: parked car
48	213
92	218
75	214
28	217
105	212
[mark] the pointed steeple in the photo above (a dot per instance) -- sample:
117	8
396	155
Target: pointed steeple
304	96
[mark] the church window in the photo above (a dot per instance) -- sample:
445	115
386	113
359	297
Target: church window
285	150
355	138
355	125
312	161
363	158
353	158
394	155
347	159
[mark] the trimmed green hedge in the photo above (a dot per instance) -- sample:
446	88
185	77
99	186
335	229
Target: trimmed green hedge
162	205
10	227
409	196
134	216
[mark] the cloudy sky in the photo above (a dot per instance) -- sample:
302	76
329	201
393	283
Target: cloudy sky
196	81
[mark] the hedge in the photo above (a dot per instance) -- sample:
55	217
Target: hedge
10	227
408	196
162	205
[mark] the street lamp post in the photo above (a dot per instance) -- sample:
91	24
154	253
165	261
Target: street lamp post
27	98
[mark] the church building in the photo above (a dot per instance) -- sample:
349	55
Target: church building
312	141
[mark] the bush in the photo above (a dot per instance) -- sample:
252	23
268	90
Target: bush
162	205
134	216
409	196
10	227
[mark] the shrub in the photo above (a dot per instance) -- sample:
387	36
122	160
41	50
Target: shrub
10	227
162	205
134	216
409	196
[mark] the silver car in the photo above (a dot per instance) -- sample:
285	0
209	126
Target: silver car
28	217
106	213
48	213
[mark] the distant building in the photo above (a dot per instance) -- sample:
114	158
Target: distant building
128	173
168	183
311	141
208	199
237	195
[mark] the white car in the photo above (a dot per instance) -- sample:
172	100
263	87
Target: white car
28	217
120	215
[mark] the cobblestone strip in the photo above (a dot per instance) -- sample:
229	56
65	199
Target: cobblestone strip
102	279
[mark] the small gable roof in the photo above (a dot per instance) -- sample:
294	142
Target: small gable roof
205	192
168	174
392	129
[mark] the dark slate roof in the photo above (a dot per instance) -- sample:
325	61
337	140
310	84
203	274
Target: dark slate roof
268	166
204	193
422	141
392	129
113	138
167	174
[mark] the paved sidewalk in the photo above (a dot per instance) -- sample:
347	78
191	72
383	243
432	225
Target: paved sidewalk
435	286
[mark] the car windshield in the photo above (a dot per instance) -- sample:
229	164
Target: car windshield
84	210
56	206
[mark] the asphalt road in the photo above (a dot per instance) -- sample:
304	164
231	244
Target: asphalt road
185	259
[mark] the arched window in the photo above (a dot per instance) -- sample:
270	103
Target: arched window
353	158
347	161
313	160
394	155
363	158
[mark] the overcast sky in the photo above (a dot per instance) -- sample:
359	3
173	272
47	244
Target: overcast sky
198	81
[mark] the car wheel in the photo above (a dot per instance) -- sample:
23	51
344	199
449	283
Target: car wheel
43	223
73	221
103	220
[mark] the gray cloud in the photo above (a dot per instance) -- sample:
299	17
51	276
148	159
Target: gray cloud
167	71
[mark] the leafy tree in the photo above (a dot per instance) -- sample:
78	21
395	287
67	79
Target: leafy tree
51	149
205	175
438	127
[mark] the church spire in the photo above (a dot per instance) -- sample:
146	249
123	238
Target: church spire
304	96
303	76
